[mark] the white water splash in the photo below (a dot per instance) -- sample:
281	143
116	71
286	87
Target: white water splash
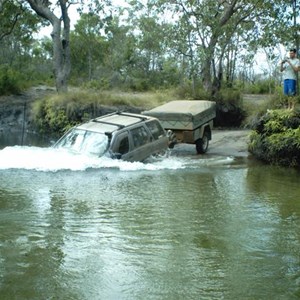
53	159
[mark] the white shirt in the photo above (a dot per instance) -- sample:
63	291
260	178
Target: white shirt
288	72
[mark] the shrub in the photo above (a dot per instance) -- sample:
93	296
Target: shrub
10	81
276	138
230	110
263	86
100	85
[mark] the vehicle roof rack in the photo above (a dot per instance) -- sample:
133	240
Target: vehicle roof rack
99	119
108	123
142	118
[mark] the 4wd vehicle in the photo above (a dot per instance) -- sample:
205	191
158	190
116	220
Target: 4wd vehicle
187	121
126	136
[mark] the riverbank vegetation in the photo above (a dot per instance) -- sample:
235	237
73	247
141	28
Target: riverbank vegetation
275	139
56	113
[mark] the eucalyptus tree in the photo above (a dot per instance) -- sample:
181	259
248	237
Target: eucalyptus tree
60	37
17	28
153	53
10	13
57	14
103	50
88	45
284	26
120	56
152	47
207	29
17	22
215	24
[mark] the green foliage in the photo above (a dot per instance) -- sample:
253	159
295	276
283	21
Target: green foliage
99	85
17	20
138	84
187	90
258	105
276	138
230	109
10	81
230	96
209	42
265	86
50	116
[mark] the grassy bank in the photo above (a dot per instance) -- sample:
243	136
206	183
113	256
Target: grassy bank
56	113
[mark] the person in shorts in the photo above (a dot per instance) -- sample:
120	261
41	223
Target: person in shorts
289	68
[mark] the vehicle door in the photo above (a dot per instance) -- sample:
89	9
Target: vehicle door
142	147
159	139
121	146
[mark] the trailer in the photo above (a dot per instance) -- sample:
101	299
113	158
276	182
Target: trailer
187	121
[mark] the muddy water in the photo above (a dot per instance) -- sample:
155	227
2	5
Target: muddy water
186	227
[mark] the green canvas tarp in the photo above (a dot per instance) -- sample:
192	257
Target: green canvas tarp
184	114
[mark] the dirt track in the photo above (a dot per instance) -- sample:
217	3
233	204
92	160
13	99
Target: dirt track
224	143
230	142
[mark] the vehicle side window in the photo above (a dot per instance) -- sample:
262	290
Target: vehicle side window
155	128
124	145
140	136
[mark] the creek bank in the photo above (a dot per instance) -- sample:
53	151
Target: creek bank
15	109
275	138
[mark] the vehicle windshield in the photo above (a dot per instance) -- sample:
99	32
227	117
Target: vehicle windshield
87	142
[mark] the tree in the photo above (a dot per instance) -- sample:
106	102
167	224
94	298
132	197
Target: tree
207	30
7	24
17	28
16	20
60	37
88	46
215	24
60	21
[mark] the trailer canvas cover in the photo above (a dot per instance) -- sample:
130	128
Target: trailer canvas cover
184	114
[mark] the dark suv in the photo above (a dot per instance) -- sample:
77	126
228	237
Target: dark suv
126	136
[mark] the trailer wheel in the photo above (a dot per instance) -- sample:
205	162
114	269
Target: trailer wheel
202	144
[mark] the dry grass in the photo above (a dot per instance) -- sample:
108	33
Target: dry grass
145	100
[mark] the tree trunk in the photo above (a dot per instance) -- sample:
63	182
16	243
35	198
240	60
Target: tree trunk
212	83
208	64
61	40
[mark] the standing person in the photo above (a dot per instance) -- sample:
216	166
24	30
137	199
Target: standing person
289	68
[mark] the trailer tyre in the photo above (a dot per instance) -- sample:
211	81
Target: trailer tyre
202	144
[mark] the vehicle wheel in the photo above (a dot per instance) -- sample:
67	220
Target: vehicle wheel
172	145
160	155
202	144
172	139
163	153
